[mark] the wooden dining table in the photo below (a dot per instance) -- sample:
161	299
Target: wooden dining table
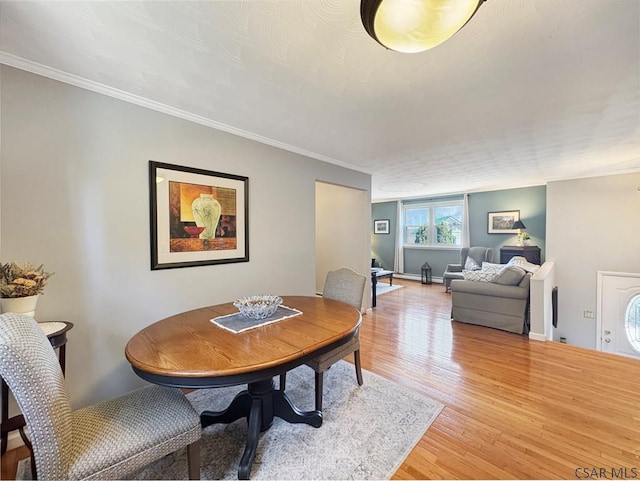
188	350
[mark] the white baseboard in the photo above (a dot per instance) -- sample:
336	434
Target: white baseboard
14	440
537	337
416	277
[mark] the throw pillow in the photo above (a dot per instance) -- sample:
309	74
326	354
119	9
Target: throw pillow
480	276
471	265
510	276
490	267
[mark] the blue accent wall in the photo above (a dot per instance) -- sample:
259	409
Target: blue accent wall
530	201
437	259
383	245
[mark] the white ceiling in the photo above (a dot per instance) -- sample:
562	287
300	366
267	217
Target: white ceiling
527	92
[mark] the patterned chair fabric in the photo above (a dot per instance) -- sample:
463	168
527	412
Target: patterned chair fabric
346	286
109	440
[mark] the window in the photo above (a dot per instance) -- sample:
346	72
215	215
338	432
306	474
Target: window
433	224
632	322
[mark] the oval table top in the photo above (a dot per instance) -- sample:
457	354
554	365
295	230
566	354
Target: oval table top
188	350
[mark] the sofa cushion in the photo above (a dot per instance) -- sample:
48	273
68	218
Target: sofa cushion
526	280
510	276
471	265
481	276
491	267
489	289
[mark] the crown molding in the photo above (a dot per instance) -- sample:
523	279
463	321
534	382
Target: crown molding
77	81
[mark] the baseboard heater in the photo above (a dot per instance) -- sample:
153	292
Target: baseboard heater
554	305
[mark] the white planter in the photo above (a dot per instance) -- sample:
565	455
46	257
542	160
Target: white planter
19	305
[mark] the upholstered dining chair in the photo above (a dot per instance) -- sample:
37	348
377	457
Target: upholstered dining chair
108	440
346	286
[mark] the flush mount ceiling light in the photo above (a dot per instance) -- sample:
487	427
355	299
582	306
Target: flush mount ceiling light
412	26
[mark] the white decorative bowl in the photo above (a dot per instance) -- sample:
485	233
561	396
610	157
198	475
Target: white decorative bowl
258	307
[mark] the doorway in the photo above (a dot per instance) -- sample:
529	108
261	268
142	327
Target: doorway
343	233
619	313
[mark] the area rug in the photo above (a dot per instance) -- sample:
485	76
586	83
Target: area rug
382	288
367	432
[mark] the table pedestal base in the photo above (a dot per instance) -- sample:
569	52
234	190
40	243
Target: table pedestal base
260	403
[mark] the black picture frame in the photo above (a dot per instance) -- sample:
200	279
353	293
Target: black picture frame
501	222
381	226
197	217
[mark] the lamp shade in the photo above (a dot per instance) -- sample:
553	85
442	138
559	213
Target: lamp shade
412	26
518	225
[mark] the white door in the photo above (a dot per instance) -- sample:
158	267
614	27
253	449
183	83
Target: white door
619	313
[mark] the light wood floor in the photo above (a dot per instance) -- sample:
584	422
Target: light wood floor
515	409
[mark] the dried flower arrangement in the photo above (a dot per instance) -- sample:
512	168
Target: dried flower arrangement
22	281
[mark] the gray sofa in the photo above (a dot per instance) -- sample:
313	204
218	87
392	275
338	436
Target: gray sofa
492	304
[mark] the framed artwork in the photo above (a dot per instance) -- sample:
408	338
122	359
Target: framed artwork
381	226
502	222
198	217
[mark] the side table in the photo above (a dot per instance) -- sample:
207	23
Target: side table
378	273
56	332
531	253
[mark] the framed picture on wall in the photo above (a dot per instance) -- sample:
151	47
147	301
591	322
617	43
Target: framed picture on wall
381	226
198	217
502	222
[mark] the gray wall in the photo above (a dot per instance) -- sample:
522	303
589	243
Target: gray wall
437	259
530	201
383	245
74	196
592	224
